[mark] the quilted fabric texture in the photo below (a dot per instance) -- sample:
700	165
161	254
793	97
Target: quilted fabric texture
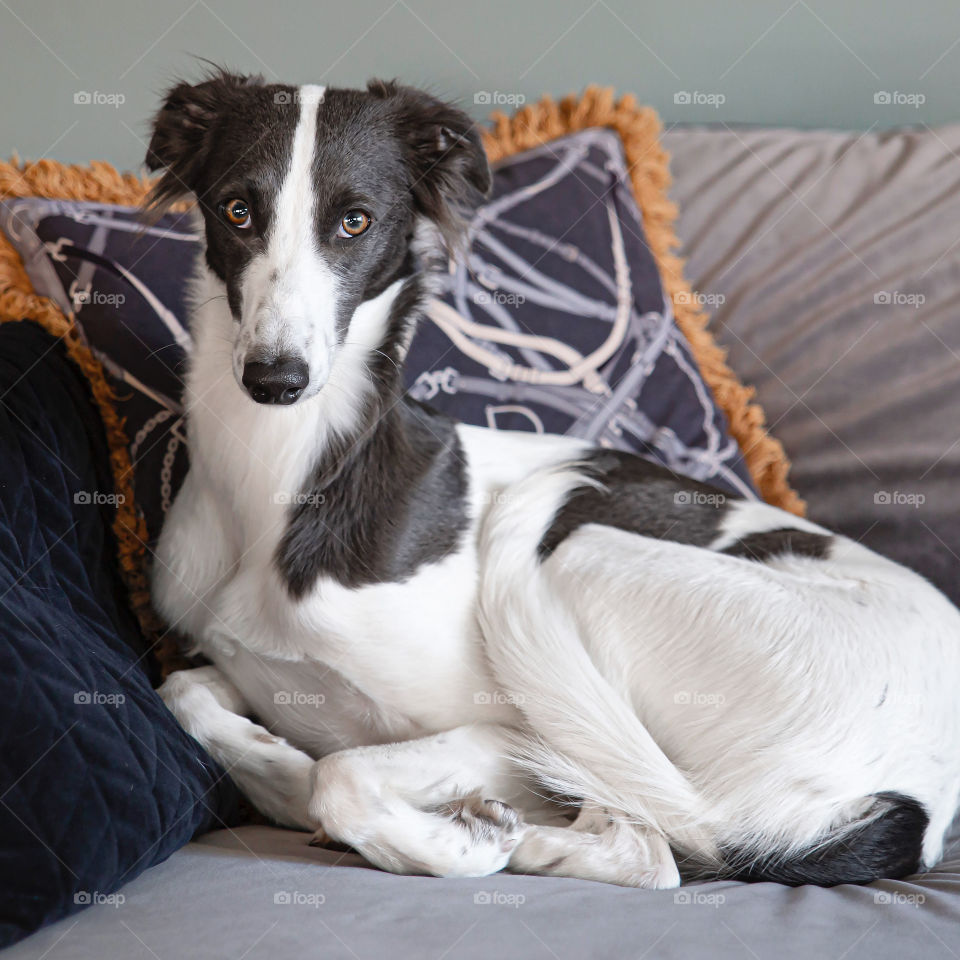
97	780
558	324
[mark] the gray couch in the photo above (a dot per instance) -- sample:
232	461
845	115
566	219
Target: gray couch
831	264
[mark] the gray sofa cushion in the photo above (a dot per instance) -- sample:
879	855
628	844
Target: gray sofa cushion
831	264
262	892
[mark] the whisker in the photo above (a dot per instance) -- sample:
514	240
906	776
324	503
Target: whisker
165	346
353	343
219	296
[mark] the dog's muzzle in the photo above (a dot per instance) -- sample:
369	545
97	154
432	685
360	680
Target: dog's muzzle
279	381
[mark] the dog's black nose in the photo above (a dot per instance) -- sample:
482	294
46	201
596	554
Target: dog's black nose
281	381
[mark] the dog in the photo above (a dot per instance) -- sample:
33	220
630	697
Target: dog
356	567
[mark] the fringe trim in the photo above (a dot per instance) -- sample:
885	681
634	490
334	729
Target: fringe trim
648	163
100	183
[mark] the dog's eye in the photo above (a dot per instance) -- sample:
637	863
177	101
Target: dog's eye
237	213
354	223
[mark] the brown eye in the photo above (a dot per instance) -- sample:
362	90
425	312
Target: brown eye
236	213
354	223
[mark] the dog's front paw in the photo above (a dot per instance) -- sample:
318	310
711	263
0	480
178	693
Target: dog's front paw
487	822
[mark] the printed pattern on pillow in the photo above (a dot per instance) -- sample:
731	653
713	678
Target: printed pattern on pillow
557	323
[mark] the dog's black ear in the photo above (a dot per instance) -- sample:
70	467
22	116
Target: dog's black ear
183	130
449	174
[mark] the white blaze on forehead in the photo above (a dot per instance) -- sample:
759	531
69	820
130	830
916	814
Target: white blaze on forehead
290	291
293	216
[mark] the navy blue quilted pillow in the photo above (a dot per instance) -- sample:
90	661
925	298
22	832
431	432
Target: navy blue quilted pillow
558	323
97	780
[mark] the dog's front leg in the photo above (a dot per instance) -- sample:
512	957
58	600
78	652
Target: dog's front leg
424	806
192	559
274	776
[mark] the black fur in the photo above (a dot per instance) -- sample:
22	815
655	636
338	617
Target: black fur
774	543
389	150
396	502
640	497
444	155
383	502
887	845
227	137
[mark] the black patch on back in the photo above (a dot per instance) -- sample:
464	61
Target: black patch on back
885	847
387	500
643	497
761	547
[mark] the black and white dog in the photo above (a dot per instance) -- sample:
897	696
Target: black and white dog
358	568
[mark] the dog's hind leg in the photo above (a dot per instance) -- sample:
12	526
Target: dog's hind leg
274	776
599	845
424	806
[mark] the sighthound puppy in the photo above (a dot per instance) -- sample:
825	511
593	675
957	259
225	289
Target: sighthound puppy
337	544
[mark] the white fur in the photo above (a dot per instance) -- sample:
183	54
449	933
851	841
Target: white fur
290	294
761	682
690	697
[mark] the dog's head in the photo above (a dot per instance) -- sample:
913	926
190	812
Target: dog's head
311	198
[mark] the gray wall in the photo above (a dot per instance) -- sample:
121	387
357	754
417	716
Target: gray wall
786	62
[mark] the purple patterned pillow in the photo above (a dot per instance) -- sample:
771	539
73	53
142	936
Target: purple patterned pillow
558	323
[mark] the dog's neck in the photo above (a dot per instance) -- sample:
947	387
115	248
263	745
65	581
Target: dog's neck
263	459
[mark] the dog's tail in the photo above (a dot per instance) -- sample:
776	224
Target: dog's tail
584	738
